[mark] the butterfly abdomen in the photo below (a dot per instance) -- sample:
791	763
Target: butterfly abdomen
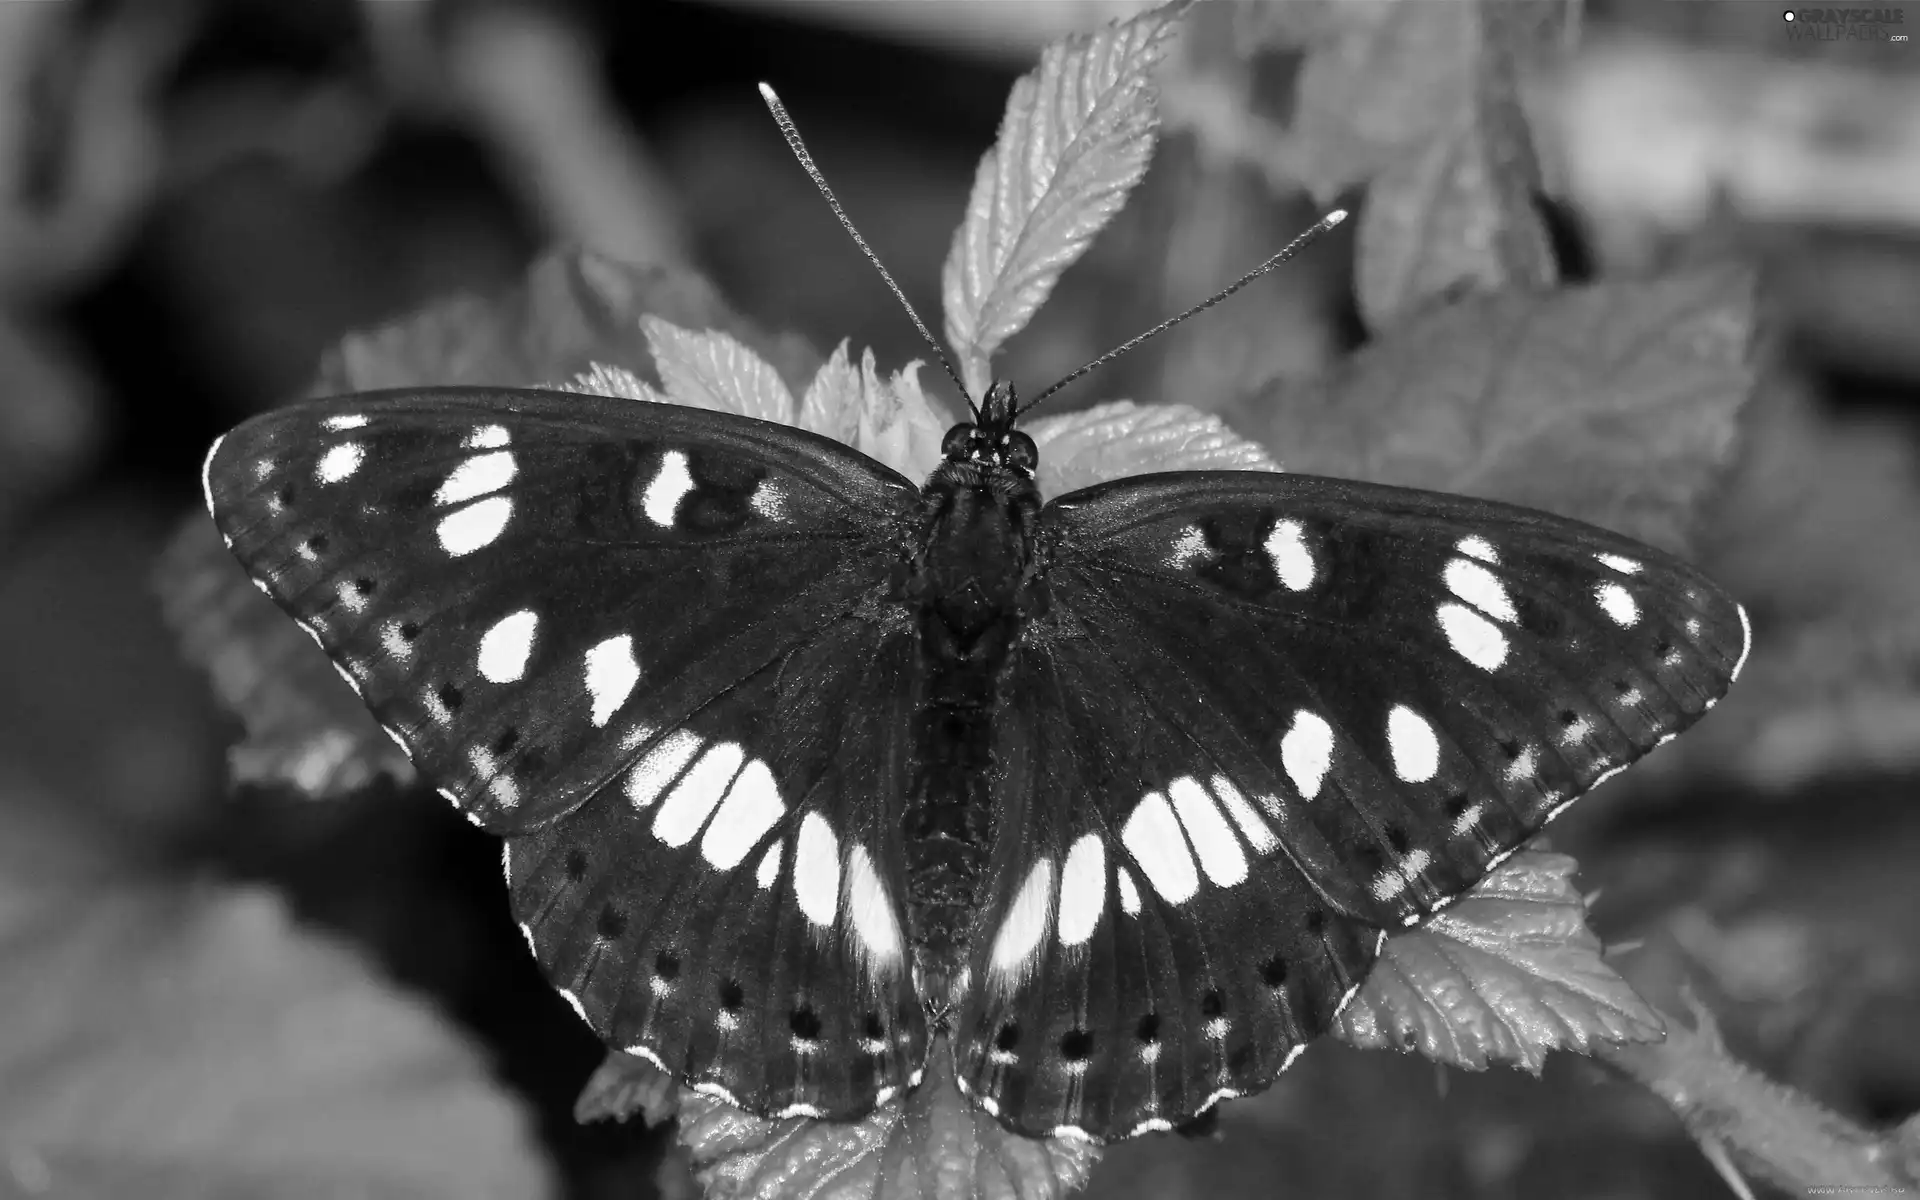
966	588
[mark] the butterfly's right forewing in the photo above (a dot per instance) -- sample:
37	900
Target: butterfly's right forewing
649	645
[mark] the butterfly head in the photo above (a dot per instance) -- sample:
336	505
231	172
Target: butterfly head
992	440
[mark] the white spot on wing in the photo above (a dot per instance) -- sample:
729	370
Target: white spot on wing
751	809
1129	893
1189	547
1473	637
768	872
1307	752
488	437
468	529
1026	923
696	794
658	768
1258	834
506	648
669	486
870	910
1083	889
1468	818
1391	882
1481	588
816	870
1618	604
1625	566
1153	837
343	422
478	476
1415	749
1213	841
1523	766
612	672
1474	546
769	500
1292	561
339	462
397	647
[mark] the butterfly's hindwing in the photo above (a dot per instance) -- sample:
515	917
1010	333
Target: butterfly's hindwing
732	907
1259	699
643	641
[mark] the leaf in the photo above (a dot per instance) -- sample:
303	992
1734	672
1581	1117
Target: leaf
182	1042
1456	214
575	309
577	314
1421	104
1075	139
1614	403
1121	438
1386	78
305	728
1507	973
708	369
930	1145
1803	533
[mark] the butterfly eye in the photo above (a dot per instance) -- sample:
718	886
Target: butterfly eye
1021	452
957	443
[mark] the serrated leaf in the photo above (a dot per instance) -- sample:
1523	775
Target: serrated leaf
897	423
175	1043
931	1145
603	380
1074	140
1121	438
709	369
1506	974
1614	403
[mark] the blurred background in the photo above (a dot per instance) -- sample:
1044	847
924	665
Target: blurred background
200	198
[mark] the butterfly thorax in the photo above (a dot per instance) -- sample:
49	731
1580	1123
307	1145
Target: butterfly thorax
971	585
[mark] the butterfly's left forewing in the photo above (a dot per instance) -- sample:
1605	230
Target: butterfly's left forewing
1265	718
642	641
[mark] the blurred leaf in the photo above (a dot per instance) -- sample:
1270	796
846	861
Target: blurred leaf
306	728
1382	79
1614	403
624	1085
1075	138
708	369
1121	438
1507	973
1763	1128
49	416
1807	535
578	312
190	1042
1421	104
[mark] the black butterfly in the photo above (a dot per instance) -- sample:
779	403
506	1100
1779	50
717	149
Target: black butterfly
800	765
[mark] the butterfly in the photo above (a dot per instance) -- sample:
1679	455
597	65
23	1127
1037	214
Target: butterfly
803	767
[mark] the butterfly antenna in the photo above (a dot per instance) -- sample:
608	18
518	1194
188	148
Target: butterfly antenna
1288	251
799	149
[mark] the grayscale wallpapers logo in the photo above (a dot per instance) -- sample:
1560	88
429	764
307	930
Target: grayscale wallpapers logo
1846	24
